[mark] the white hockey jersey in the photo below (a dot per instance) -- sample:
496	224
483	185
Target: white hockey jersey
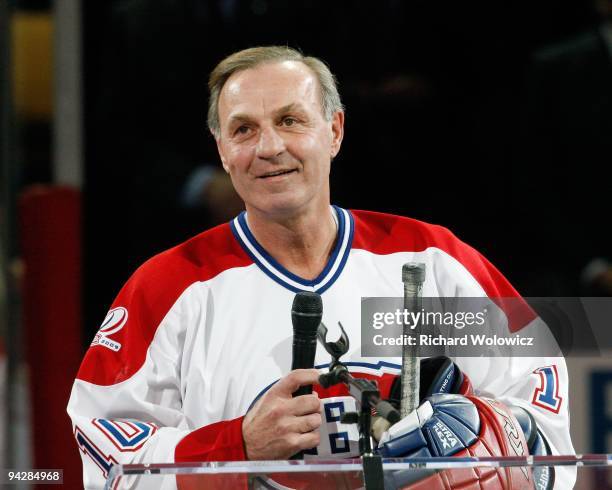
200	331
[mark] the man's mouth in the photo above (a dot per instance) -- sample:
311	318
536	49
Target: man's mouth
277	173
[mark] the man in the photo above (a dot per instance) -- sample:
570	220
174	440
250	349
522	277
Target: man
193	360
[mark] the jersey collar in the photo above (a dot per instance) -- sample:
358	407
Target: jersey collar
287	279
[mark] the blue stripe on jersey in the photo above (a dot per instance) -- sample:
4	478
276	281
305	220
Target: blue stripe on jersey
377	366
281	275
264	269
345	255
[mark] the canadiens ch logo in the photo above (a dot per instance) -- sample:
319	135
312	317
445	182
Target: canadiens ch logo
114	321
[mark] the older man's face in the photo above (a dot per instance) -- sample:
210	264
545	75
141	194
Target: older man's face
274	140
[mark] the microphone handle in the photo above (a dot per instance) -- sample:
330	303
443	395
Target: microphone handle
303	390
304	349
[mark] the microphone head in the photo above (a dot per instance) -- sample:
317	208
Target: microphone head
306	313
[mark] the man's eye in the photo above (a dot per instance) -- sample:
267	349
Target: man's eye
242	130
289	121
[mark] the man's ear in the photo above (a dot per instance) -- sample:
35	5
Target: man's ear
337	127
220	151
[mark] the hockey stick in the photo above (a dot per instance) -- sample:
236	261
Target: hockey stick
413	276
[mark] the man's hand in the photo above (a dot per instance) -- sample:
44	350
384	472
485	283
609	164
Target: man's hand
279	426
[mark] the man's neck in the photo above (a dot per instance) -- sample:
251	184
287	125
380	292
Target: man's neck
302	243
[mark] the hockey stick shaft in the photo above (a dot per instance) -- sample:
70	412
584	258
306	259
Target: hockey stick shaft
413	277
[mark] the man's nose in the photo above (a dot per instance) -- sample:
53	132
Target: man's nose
270	144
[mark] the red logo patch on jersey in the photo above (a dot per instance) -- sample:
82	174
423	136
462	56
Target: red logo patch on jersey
114	321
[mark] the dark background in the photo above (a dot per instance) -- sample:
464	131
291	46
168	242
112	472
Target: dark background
491	118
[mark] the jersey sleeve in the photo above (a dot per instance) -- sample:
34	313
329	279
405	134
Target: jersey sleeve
126	402
537	384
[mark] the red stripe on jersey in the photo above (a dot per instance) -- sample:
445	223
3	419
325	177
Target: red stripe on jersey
221	441
385	234
384	383
150	293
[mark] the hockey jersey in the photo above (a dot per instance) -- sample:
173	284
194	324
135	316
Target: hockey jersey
202	330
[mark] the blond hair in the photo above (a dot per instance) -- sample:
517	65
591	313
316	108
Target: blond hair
252	57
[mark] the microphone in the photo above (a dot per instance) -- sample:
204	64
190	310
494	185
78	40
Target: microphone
306	314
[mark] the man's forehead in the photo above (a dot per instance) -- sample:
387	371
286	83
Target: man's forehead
269	73
281	84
